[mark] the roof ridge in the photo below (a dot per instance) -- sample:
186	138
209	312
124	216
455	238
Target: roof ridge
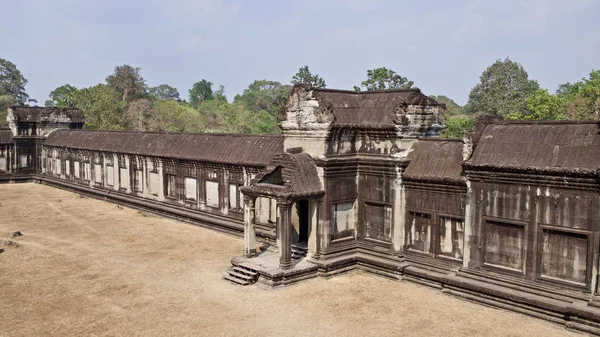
438	139
546	122
417	90
172	133
43	107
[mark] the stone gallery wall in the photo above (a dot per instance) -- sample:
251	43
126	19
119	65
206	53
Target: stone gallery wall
204	187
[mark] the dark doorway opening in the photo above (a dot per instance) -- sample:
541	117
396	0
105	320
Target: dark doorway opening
303	220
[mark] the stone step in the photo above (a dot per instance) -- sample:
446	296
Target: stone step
299	249
245	271
235	279
298	252
241	276
296	256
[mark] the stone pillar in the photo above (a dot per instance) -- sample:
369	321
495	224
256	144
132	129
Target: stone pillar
249	226
470	205
399	225
285	233
317	236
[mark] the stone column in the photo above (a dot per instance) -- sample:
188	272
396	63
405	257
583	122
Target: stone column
470	205
318	229
285	230
249	226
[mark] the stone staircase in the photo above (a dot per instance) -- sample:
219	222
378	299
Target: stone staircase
241	275
298	252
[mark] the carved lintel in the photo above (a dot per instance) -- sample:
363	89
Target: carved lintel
284	202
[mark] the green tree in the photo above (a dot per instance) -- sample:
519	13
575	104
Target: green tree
172	116
127	81
452	108
102	106
263	122
583	97
12	82
503	89
201	92
590	89
541	105
456	126
220	94
164	92
568	90
305	76
384	79
236	118
579	109
6	101
264	95
63	96
137	114
49	103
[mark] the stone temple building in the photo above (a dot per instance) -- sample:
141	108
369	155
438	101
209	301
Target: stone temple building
508	216
21	144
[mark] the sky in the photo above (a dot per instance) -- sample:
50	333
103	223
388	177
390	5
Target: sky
443	46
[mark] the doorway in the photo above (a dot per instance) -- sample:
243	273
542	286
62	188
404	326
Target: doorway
303	220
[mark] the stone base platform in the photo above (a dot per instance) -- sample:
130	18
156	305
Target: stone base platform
574	310
267	265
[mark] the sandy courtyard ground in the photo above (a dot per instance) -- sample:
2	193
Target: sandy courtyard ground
85	267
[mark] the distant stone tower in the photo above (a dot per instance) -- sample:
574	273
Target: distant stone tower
30	126
326	121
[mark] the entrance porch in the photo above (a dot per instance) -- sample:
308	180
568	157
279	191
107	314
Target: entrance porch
292	180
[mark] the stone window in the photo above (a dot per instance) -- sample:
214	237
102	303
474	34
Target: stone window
86	171
110	175
76	170
235	197
123	177
67	167
451	235
419	231
98	174
25	161
565	256
171	185
58	166
504	245
49	162
191	189
342	219
3	161
378	218
154	182
138	185
212	193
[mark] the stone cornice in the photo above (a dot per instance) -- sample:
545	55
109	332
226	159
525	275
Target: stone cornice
549	171
590	183
436	186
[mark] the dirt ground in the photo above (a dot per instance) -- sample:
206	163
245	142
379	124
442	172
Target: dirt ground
85	267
